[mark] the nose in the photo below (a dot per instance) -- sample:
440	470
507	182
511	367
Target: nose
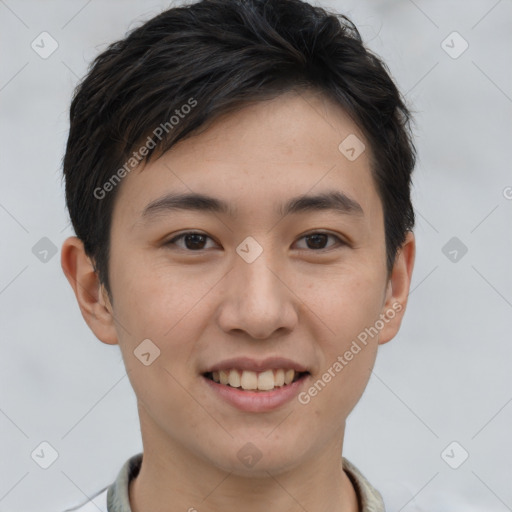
257	299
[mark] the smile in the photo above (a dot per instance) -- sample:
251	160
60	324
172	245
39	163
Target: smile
247	380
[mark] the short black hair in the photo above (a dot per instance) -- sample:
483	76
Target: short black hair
212	57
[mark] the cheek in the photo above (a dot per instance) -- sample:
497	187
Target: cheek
346	301
167	306
158	306
156	300
348	306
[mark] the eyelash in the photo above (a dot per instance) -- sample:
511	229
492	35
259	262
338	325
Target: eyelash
340	242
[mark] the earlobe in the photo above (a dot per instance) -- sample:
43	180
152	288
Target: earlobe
398	289
89	292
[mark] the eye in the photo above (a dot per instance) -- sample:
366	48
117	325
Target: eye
318	240
194	241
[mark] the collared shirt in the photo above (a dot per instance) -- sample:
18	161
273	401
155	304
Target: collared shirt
115	497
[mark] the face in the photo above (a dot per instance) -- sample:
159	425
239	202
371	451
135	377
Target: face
262	284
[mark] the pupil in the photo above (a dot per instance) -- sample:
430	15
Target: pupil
188	237
315	237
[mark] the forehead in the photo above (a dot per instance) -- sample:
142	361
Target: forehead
256	158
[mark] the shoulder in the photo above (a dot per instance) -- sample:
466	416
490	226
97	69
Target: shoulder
369	498
115	496
98	503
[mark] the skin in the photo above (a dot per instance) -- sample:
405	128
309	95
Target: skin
202	303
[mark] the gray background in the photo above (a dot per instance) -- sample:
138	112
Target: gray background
446	377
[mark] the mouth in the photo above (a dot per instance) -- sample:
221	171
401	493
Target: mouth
246	380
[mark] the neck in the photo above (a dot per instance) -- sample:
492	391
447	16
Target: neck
174	479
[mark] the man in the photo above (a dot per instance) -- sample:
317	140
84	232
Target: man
238	177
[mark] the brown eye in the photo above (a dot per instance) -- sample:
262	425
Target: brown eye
193	241
317	241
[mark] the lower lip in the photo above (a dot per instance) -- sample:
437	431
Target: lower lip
257	401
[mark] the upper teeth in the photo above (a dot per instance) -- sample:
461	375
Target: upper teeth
263	381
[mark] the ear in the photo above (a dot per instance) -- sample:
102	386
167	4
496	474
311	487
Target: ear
398	289
90	294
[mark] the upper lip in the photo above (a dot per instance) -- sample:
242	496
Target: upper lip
247	363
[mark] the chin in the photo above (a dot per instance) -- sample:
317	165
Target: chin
258	459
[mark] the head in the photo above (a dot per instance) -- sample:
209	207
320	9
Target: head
257	105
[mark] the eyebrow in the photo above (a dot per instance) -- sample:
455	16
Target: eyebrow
333	200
